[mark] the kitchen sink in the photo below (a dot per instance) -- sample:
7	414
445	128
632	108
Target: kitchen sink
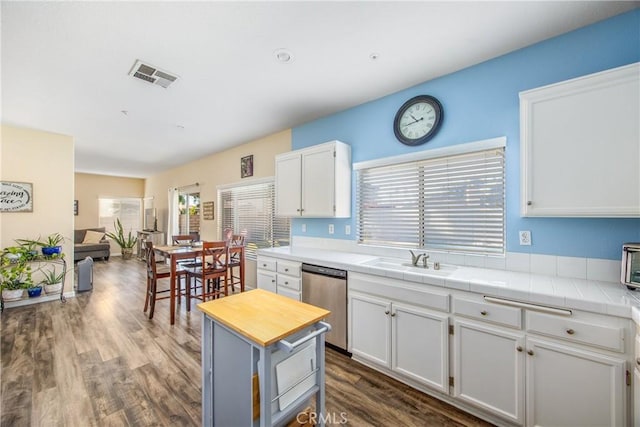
400	265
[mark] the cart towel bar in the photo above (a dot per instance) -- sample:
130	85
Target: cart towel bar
300	381
536	307
288	347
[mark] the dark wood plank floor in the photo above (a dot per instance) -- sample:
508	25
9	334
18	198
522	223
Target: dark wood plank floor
98	361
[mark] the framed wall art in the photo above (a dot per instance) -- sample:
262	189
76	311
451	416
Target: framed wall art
16	196
207	211
246	166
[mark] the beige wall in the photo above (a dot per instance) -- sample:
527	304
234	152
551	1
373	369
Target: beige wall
212	171
46	160
89	188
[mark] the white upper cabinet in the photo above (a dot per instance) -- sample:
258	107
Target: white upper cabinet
580	146
314	182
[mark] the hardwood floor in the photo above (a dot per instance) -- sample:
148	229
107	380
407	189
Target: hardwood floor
98	361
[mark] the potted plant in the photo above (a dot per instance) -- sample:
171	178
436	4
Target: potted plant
126	243
50	246
15	273
52	281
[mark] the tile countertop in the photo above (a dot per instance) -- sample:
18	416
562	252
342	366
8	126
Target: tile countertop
595	296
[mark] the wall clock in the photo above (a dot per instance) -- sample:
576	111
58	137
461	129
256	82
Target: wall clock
418	120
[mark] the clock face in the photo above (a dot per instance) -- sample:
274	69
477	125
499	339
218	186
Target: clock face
418	120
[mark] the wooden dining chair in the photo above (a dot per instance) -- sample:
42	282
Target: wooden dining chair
236	261
155	272
212	273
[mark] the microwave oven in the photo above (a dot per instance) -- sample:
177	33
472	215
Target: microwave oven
630	272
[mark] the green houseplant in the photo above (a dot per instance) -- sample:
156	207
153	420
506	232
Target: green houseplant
51	245
53	281
126	243
15	272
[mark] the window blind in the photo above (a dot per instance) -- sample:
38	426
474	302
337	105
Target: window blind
128	210
452	203
250	210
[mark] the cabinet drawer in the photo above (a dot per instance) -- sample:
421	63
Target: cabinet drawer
609	337
289	268
507	316
289	282
290	293
267	264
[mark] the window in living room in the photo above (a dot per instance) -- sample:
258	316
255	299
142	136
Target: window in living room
129	210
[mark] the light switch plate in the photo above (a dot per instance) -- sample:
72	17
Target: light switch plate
525	238
304	228
331	229
347	229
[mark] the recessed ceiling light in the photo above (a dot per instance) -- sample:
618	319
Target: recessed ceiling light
125	112
180	126
283	55
373	56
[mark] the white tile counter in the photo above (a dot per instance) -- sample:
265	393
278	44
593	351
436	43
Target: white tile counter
580	294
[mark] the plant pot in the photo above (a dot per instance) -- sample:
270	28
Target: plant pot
35	291
53	289
127	253
12	294
51	250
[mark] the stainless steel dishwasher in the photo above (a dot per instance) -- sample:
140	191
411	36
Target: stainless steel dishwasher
326	288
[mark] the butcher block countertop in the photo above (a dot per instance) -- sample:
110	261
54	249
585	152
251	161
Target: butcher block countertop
262	316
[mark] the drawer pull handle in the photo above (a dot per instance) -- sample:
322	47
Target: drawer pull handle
519	348
393	315
571	331
286	283
530	352
484	312
386	312
286	269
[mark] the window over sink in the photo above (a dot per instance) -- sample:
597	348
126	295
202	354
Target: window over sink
449	199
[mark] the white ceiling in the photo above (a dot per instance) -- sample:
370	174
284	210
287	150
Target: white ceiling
65	66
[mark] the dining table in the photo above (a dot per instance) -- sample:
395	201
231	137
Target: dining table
175	253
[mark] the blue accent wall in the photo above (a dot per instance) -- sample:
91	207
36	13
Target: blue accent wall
482	102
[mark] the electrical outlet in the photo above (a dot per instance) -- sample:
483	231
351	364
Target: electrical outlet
347	229
304	228
331	229
525	238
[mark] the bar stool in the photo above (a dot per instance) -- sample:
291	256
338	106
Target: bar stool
154	273
213	269
236	261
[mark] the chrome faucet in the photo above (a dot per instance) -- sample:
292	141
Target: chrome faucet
416	258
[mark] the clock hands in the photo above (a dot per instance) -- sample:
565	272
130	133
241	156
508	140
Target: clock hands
414	120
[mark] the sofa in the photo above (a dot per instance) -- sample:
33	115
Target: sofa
90	244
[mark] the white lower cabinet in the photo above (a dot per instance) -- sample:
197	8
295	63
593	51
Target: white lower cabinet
573	387
279	276
512	363
488	368
407	339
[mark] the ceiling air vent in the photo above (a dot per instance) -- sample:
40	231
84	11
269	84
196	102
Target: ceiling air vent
152	74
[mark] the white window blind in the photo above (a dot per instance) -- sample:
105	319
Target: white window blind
452	203
250	210
129	210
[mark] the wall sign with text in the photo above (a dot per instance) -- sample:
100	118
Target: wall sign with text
16	197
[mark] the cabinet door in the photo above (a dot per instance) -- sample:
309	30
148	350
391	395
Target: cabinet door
370	328
288	185
571	387
318	182
488	368
266	280
420	347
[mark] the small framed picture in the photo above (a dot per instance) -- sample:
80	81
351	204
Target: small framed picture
75	207
246	166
